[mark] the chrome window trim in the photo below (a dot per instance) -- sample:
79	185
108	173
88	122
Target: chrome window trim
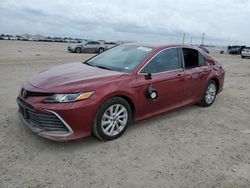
163	72
178	48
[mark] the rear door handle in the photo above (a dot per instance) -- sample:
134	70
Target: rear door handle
206	70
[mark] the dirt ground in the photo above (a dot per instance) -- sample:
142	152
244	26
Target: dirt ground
191	147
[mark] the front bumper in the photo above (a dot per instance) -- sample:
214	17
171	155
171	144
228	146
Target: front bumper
70	49
58	122
47	125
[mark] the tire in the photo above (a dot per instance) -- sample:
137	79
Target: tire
101	50
108	126
78	50
209	94
242	57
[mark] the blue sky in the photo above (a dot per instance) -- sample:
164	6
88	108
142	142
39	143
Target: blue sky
224	22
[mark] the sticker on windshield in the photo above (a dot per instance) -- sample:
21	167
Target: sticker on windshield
144	49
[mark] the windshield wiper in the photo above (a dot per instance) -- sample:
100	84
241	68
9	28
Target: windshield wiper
99	66
102	67
87	63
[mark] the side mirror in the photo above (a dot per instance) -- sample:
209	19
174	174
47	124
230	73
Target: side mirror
148	76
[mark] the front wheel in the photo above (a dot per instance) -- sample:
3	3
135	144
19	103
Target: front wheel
209	95
112	119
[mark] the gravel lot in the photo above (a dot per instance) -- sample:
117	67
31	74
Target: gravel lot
191	147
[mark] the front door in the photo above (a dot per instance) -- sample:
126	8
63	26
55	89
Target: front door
167	79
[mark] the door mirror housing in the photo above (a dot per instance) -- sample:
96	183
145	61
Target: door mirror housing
148	76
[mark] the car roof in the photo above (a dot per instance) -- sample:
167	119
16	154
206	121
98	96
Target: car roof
160	46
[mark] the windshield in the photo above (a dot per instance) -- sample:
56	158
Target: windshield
124	58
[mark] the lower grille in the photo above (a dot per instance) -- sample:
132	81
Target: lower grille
45	122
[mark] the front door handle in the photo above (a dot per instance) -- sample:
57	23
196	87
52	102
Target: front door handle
179	76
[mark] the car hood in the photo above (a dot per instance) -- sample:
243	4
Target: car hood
73	77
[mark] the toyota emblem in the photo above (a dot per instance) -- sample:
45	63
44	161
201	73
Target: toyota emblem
24	94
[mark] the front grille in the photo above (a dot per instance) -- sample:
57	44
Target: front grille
26	93
46	122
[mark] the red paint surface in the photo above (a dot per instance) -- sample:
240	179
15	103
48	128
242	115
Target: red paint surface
176	89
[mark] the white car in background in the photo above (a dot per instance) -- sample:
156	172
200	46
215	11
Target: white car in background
245	52
89	47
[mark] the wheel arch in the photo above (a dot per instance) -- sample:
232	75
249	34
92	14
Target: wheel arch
216	80
130	102
124	96
79	47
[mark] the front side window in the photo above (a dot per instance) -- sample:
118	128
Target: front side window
166	60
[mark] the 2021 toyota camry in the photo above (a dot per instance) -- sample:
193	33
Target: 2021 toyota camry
102	95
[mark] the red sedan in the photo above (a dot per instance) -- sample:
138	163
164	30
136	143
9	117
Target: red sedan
130	82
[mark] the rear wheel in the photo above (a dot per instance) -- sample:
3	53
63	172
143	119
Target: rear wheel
100	50
112	119
78	50
209	95
242	56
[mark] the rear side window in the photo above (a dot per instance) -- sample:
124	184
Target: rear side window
202	60
166	60
192	58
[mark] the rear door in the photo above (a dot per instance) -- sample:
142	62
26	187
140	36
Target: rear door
88	47
95	46
167	79
196	72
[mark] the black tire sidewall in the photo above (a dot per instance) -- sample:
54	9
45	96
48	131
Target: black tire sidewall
100	49
203	101
78	49
97	124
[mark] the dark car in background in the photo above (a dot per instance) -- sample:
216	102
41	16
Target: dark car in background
235	49
88	47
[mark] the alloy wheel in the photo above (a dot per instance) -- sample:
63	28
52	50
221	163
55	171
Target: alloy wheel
210	93
114	119
101	50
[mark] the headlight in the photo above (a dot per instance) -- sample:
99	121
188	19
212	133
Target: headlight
64	98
